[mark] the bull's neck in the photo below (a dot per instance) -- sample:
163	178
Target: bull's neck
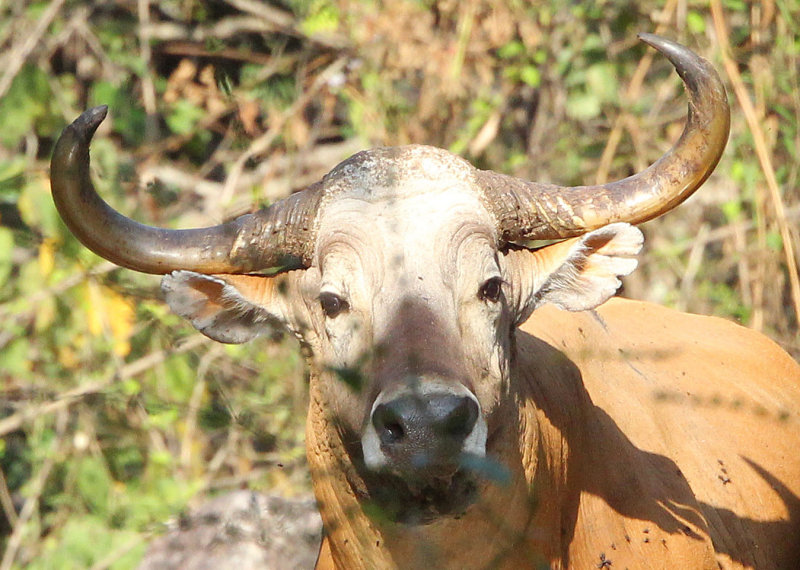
502	529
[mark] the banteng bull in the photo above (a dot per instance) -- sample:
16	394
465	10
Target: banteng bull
459	416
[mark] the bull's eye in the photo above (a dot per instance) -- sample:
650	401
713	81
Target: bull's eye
491	290
332	304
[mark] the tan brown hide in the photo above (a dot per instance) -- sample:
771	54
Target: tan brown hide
640	437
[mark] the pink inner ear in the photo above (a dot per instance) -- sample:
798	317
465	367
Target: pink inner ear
598	240
255	289
213	307
207	297
211	290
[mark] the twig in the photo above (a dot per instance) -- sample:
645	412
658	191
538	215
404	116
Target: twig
113	556
148	87
199	389
262	143
264	11
191	49
20	53
759	281
762	150
32	502
220	30
466	20
222	454
15	421
743	267
727	231
693	265
7	502
285	22
173	142
631	94
49	292
67	283
273	177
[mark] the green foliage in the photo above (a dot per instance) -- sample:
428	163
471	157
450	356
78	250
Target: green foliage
27	108
85	541
531	89
184	117
321	16
129	116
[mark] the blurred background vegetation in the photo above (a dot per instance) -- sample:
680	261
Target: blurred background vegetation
115	415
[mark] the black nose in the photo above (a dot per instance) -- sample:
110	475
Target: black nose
418	432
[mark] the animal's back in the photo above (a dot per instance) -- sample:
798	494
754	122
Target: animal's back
692	430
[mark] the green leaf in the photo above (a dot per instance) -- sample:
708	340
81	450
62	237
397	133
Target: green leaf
183	117
511	50
696	23
732	210
6	248
161	458
531	76
352	377
179	378
323	18
736	5
83	541
601	80
14	358
128	117
774	241
26	105
11	179
37	209
131	387
583	106
163	419
486	467
94	484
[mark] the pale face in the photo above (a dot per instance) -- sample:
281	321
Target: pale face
435	246
407	298
407	313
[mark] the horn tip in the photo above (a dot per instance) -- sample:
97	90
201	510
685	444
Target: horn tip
695	71
658	42
87	123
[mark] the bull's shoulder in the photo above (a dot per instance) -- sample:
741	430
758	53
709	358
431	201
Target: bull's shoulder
681	424
669	352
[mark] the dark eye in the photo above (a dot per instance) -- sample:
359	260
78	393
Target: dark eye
491	290
332	304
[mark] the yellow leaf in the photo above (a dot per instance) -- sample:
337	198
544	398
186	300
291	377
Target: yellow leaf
121	314
110	312
45	314
67	357
94	308
47	257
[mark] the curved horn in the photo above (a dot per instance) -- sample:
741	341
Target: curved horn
529	210
281	235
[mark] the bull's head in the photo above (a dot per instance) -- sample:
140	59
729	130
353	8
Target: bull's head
404	278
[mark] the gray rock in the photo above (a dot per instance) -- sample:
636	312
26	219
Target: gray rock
242	530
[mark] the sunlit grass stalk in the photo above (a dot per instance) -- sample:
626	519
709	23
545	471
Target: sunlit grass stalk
631	94
762	151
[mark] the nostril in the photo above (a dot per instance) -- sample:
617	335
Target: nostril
388	424
461	419
392	433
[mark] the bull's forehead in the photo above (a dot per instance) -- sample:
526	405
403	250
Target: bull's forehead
402	211
388	169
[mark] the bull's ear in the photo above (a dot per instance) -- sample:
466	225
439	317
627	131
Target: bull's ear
579	273
227	308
